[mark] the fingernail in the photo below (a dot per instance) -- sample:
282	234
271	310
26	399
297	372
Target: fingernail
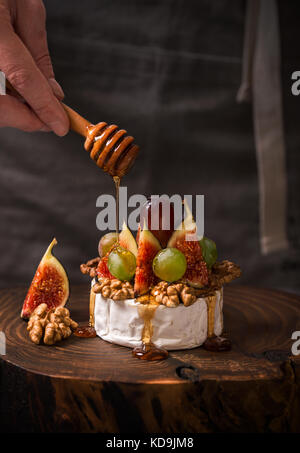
56	88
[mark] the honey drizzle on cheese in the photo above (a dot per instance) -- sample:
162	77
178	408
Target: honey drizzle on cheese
221	312
211	308
147	350
146	312
92	308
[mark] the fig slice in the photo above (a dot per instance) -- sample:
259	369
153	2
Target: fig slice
50	285
147	250
102	268
127	241
185	239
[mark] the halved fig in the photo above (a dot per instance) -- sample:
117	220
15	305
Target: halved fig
50	285
102	268
185	239
147	249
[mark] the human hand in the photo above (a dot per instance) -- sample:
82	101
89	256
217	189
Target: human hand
25	61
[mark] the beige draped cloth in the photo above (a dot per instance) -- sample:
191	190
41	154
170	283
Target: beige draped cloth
261	83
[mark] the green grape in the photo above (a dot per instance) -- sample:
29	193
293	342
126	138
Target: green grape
169	264
106	243
121	263
209	251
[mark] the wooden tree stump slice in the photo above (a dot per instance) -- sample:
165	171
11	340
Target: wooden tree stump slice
90	385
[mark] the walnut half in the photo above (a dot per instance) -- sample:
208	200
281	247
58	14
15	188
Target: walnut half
90	267
172	295
50	326
114	289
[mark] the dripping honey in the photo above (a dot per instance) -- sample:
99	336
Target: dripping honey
147	350
117	181
88	330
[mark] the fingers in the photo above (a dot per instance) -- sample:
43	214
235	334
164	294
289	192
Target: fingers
57	89
14	113
30	27
35	38
20	69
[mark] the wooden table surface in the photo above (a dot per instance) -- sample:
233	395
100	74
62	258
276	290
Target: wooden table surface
86	384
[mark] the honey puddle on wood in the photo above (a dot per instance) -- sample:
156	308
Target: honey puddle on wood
88	330
85	331
213	342
147	350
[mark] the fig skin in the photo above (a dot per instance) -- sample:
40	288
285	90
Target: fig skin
50	285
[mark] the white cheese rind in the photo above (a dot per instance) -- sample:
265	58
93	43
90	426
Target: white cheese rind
181	327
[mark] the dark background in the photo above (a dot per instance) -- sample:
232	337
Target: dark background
168	72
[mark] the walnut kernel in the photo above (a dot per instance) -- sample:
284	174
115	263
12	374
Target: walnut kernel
172	294
114	289
51	326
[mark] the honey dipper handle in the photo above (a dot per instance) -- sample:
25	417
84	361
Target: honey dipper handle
77	123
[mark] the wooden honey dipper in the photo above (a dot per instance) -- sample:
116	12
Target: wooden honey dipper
109	147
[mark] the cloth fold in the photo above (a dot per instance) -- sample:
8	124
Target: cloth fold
261	83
